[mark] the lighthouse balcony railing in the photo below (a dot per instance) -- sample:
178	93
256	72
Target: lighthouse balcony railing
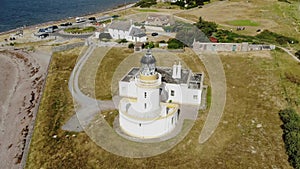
155	82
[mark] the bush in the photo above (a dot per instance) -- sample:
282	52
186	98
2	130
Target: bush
291	135
271	37
122	41
208	28
145	3
148	45
175	44
297	54
131	46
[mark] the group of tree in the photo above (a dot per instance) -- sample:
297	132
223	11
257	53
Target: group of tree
291	135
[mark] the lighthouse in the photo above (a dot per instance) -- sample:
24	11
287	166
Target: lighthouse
145	116
148	82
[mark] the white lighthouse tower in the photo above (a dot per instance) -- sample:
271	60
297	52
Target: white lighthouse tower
148	82
145	116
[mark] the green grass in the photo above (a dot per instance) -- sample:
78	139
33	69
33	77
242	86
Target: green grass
147	10
77	30
243	23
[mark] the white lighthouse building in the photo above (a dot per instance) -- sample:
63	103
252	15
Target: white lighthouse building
152	97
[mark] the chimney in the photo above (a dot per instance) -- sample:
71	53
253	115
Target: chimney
174	71
179	70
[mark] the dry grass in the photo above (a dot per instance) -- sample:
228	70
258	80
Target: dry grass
270	14
255	94
106	71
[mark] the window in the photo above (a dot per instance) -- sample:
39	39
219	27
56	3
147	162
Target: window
145	95
140	124
145	105
195	97
172	93
160	90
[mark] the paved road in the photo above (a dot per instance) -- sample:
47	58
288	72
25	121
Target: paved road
216	73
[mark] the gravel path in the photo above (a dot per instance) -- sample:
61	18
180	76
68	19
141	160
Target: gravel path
216	73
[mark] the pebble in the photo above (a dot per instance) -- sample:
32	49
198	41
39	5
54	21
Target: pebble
54	136
259	126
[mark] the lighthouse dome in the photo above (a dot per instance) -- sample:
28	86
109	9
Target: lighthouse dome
148	58
148	62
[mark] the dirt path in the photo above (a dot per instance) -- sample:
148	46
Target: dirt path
289	53
216	74
21	80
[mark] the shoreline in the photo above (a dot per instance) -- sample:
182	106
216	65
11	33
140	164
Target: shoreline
103	12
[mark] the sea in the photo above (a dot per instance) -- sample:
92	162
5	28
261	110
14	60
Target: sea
18	13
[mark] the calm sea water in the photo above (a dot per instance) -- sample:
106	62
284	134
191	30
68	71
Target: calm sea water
17	13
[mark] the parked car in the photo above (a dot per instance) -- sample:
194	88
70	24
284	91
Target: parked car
66	24
154	34
92	18
44	35
80	19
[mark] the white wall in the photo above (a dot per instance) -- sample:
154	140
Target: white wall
182	94
147	129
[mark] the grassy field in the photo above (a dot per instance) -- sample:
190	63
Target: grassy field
77	30
256	86
106	71
243	23
279	17
259	84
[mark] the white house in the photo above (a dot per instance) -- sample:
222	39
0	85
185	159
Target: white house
126	30
152	96
159	20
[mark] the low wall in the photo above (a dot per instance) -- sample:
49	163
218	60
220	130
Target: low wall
231	47
67	47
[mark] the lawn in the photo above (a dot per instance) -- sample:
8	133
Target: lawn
243	23
147	10
77	30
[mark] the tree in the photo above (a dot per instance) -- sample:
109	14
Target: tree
291	135
131	46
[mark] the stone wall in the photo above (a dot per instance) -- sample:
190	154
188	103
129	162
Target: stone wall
231	47
67	47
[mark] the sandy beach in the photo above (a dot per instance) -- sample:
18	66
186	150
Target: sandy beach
21	82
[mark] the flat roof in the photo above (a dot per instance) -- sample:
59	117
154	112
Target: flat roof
187	77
